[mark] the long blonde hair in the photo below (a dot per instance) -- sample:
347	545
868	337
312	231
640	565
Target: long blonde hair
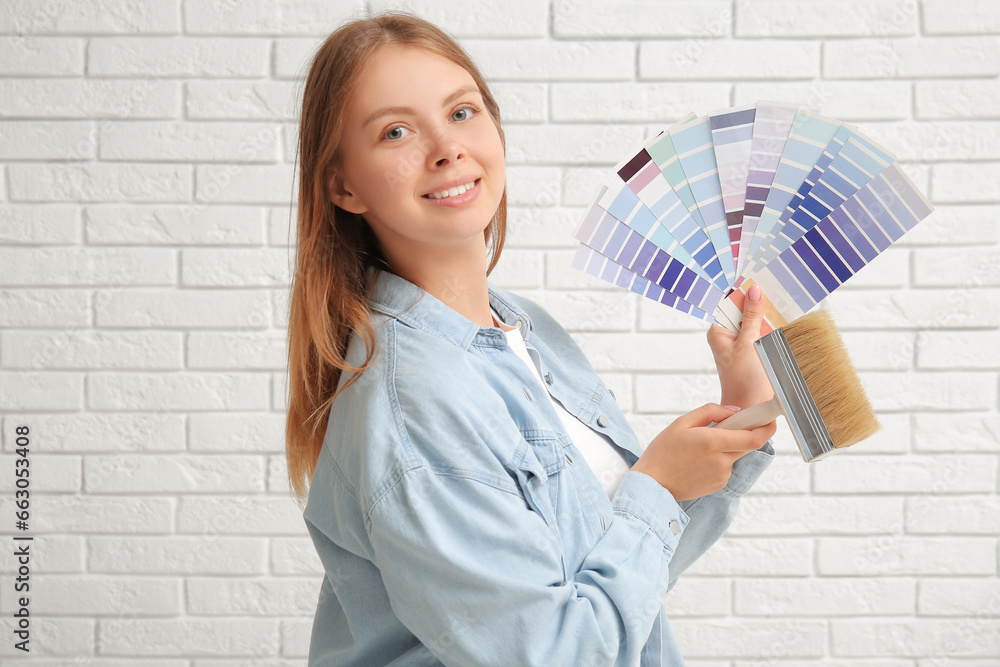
334	247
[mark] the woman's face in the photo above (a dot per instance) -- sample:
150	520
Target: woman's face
416	135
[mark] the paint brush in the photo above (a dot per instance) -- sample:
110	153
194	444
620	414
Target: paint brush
815	387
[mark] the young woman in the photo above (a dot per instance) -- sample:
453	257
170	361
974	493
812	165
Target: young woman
474	492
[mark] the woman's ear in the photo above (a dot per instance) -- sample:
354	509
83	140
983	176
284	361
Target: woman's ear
341	195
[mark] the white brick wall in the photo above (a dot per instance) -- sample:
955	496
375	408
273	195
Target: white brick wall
146	151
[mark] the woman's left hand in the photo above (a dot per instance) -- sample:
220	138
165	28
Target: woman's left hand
744	382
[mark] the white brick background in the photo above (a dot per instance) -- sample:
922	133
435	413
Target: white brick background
146	154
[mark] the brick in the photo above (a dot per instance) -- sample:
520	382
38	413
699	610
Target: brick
89	432
971	350
956	225
958	597
97	182
543	60
634	101
750	638
939	514
532	186
781	18
40	225
189	141
893	554
177	391
974	98
757	556
236	267
962	432
238	100
242	350
53	554
22	55
241	184
36	391
292	556
920	58
189	309
880	350
296	635
521	102
698	596
65	637
893	438
177	554
930	391
678	392
519	269
941	267
938	141
925	308
587	311
34	307
535	228
833	596
729	60
294	17
155	57
90	16
280	223
573	144
50	474
648	352
202	637
845	100
959	182
33	140
173	225
491	18
89	98
252	597
842	515
89	515
959	17
128	473
248	515
580	184
911	474
99	595
914	637
293	56
80	265
230	432
641	18
83	349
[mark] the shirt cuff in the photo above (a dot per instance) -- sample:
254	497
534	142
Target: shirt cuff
643	498
748	468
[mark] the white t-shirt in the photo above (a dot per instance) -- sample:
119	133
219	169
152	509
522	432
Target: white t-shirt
604	459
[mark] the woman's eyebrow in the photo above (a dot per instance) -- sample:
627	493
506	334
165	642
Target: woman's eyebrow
464	90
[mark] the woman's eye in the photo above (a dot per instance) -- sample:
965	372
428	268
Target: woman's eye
396	133
465	113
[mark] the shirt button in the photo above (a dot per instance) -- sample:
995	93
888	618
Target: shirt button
612	394
602	421
548	377
675	526
527	395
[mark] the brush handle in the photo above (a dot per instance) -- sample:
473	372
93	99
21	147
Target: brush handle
754	416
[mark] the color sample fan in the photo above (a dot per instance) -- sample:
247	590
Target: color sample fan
772	194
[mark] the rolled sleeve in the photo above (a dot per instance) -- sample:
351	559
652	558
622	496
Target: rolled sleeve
478	576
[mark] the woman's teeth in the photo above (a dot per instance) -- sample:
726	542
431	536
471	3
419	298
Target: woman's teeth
451	192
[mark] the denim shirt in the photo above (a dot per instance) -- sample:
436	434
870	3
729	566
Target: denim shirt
457	523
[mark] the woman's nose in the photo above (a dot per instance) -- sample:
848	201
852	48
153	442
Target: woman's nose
445	148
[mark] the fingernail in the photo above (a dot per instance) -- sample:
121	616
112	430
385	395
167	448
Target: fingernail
734	408
754	293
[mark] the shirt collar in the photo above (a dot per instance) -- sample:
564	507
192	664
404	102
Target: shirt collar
399	298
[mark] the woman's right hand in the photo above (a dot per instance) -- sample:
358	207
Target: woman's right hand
691	459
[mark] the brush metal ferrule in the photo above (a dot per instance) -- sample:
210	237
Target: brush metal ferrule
811	434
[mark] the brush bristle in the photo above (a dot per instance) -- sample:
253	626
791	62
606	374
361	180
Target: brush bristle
829	374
